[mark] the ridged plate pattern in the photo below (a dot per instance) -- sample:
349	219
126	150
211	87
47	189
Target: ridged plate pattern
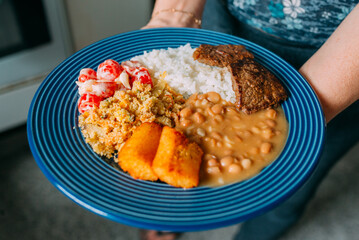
69	163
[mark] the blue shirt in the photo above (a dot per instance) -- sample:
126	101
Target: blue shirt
306	22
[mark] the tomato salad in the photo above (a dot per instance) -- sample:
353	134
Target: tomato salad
110	76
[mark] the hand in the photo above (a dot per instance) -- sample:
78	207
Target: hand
172	13
172	19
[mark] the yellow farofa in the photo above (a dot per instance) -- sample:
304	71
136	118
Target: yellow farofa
107	128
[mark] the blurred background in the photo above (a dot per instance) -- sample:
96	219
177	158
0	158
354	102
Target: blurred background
35	36
33	42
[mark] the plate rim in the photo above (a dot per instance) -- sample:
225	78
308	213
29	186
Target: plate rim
135	222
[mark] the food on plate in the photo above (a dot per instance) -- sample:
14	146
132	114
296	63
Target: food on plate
165	116
88	101
152	152
236	145
220	55
178	160
87	74
186	76
256	88
137	154
106	123
109	70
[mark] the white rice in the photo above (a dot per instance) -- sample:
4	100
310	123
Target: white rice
185	75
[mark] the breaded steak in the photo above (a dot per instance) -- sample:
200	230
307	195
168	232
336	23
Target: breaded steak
221	55
255	87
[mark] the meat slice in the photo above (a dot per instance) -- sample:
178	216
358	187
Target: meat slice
255	87
221	55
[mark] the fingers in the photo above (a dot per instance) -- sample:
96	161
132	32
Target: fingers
153	235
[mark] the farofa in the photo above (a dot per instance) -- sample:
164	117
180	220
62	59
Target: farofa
107	128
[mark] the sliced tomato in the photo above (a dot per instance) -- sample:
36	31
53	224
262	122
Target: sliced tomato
97	87
88	101
104	89
109	70
141	74
131	66
137	72
87	74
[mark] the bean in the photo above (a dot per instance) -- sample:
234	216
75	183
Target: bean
239	126
216	136
193	97
228	144
271	113
189	130
202	96
213	97
201	132
213	170
213	142
198	103
210	112
190	104
185	122
266	147
204	102
231	111
226	138
256	130
198	118
270	123
226	161
262	125
186	112
267	133
210	129
217	108
208	156
212	162
234	168
219	118
246	163
247	133
220	180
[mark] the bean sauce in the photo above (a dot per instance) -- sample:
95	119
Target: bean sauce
236	146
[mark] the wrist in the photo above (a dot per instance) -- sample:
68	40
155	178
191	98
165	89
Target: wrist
176	18
193	6
174	13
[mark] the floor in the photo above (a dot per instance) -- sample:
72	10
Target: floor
31	208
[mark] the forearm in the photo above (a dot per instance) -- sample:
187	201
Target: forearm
333	71
185	16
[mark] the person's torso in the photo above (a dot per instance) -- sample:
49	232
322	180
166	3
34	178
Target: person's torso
307	22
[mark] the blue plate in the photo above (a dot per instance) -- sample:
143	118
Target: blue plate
69	163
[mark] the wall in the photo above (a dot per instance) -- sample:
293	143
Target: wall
92	20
